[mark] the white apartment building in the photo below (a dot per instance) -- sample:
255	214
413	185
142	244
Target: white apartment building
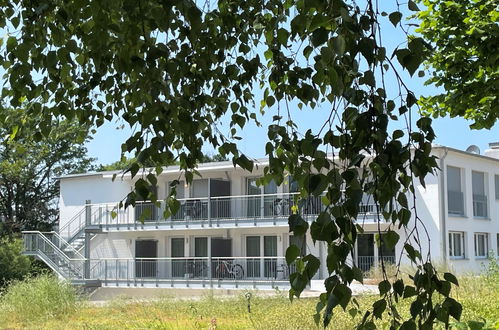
231	233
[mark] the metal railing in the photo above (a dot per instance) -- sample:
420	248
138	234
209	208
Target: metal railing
456	202
59	242
37	244
74	226
188	269
479	205
250	208
365	263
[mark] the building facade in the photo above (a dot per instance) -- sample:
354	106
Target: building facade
231	233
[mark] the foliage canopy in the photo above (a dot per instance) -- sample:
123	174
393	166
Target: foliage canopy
464	59
29	190
173	70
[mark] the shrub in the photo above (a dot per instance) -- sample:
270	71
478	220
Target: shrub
37	298
14	265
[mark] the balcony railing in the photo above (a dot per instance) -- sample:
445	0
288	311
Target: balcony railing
249	208
190	269
479	205
365	263
456	202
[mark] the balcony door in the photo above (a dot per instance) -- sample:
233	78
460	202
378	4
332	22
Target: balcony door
270	252
253	251
220	207
178	251
258	264
365	251
258	203
221	253
145	267
199	266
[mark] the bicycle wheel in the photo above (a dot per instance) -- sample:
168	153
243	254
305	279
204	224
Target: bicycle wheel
237	271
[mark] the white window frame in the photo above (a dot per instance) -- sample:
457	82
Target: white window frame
461	191
452	238
485	248
485	191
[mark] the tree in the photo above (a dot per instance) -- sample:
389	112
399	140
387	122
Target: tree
120	165
29	189
174	70
13	264
464	59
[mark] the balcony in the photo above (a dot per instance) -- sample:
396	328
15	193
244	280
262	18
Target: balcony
365	263
224	211
192	272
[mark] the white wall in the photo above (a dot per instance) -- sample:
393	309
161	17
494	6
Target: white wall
468	223
76	190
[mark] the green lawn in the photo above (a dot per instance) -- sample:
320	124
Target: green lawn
29	307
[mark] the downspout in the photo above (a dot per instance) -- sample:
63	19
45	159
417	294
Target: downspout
443	213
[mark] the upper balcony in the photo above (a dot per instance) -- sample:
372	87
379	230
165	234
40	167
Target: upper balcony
221	211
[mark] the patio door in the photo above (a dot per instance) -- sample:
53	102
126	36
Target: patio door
178	251
258	198
199	267
270	250
221	253
365	251
145	267
220	207
253	251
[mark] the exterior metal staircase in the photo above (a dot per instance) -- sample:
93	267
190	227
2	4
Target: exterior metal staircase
64	252
67	264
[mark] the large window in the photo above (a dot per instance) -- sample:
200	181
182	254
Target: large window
481	245
454	191
456	245
479	196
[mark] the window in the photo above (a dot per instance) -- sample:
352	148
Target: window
456	245
481	245
479	196
496	179
454	191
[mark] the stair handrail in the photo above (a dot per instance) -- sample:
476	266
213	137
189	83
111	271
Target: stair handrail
63	241
56	268
70	222
79	269
58	250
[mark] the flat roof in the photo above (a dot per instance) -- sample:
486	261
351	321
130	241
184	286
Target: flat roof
225	165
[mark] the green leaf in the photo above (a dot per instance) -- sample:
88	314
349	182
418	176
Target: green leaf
297	225
390	238
412	6
292	252
379	307
395	17
451	278
455	309
384	287
319	36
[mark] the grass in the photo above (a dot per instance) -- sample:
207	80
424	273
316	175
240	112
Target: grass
45	303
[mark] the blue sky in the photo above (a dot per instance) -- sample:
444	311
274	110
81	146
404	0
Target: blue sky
452	132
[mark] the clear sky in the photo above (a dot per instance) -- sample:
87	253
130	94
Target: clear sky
452	132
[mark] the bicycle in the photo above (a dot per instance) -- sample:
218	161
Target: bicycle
226	268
